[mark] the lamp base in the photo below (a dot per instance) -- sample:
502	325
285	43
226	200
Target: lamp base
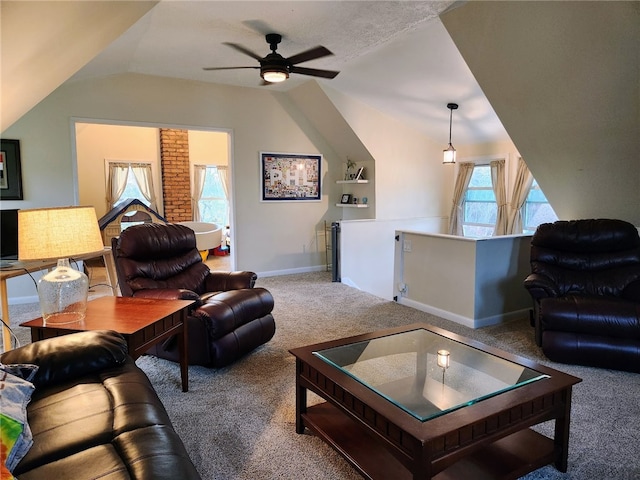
63	295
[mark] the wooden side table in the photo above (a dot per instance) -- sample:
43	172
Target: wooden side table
143	322
25	268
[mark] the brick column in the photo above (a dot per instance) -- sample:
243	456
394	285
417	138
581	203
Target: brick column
176	182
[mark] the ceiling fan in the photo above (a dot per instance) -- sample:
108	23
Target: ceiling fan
275	68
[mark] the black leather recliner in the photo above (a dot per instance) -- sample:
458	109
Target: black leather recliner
229	317
585	283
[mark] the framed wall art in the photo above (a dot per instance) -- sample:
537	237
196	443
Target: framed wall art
290	177
10	170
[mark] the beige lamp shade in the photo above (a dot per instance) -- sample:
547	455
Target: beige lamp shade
60	232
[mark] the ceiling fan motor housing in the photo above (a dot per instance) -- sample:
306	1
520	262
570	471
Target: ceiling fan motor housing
274	62
273	39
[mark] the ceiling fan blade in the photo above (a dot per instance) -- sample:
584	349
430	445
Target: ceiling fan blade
244	50
312	54
314	72
225	68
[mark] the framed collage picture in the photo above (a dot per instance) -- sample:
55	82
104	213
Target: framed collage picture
10	170
290	177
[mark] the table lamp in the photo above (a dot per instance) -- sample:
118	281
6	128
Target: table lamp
57	234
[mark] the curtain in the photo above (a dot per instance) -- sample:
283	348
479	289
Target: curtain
521	188
142	174
497	181
223	174
199	175
116	182
465	170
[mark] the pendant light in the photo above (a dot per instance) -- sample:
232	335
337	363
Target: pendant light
450	152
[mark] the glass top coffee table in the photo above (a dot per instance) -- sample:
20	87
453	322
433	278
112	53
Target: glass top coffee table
421	402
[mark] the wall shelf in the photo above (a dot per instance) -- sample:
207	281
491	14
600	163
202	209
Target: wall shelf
352	181
352	205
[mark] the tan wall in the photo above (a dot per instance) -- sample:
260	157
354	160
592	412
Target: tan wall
98	143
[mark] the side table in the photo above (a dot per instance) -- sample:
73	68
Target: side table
143	322
25	268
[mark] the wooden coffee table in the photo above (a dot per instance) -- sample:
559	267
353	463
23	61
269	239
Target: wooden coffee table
393	411
143	322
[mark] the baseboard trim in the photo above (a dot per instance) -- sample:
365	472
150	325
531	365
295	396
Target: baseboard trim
292	271
23	300
462	320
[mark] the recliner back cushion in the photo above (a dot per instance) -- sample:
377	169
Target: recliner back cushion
587	257
160	256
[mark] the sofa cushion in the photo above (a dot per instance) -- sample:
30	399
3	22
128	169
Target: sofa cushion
63	358
591	315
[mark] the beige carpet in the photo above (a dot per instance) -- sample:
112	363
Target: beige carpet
239	422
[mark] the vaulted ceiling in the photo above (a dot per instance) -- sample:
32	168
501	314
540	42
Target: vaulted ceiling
396	56
562	77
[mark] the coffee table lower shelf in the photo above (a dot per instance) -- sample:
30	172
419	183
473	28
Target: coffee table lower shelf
508	458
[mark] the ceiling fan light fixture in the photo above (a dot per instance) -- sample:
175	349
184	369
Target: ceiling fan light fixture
274	75
450	152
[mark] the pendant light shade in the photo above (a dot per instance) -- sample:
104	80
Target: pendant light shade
450	152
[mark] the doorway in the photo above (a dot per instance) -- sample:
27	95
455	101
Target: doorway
96	143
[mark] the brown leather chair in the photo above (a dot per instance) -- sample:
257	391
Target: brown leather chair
585	283
229	317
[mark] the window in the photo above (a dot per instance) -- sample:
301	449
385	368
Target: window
128	180
479	206
132	190
536	209
213	203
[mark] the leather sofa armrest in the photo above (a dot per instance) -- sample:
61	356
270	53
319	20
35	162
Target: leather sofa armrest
168	294
540	286
70	356
224	281
632	292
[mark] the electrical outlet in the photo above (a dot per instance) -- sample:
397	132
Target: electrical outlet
407	246
403	289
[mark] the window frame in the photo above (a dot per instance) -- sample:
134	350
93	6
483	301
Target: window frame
479	162
203	198
154	179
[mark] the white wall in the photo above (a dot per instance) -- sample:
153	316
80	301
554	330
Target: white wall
35	33
411	181
271	237
367	251
473	282
563	78
367	247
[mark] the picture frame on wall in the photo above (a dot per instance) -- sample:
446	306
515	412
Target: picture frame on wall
10	170
291	177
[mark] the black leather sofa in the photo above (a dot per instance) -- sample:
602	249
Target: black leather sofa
94	414
585	283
